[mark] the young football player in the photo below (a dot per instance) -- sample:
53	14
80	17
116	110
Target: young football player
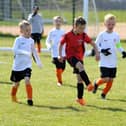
52	42
107	42
75	40
23	50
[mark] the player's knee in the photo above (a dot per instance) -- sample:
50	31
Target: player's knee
107	79
27	80
79	66
16	85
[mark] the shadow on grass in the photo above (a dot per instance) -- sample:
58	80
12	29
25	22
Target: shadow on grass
120	100
107	108
69	85
4	82
55	107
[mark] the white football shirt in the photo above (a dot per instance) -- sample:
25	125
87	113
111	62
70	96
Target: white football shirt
52	41
23	48
108	40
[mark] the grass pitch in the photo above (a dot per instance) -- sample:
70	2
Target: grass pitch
56	106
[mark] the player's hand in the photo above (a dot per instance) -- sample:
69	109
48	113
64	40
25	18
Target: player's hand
60	58
106	51
97	56
123	54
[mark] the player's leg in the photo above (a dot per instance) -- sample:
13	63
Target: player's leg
80	90
112	75
107	88
59	70
84	75
29	90
103	79
15	77
14	90
38	39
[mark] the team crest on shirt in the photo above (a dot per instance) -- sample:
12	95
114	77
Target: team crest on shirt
80	41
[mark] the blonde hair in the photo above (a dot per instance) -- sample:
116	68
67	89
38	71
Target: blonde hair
23	24
109	17
57	17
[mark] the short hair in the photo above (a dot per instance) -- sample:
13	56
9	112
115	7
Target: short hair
79	21
109	17
57	17
36	7
23	24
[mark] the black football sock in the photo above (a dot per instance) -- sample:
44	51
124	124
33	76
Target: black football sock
84	77
80	90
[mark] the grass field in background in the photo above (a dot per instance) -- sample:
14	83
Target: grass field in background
121	16
56	106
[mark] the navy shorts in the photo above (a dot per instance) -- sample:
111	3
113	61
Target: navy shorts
36	37
17	76
73	61
59	65
108	72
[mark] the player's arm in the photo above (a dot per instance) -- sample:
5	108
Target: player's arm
97	54
35	56
48	41
120	48
89	41
30	18
18	51
61	44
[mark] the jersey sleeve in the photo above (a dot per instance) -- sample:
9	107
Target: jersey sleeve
30	18
118	44
98	42
63	39
35	55
48	40
87	39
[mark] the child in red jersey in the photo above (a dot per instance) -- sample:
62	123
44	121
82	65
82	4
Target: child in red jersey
75	41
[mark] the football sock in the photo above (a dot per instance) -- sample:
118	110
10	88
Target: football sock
29	91
100	81
14	91
84	77
108	87
80	90
59	75
39	47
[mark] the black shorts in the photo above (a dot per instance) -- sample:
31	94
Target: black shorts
58	64
73	61
108	72
36	37
17	76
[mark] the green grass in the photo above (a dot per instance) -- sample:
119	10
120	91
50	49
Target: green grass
121	16
56	106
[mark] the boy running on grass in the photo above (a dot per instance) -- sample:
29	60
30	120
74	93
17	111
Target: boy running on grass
75	41
23	50
108	41
52	42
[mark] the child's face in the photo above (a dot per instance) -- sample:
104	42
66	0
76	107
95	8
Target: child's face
80	28
26	31
110	24
58	23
